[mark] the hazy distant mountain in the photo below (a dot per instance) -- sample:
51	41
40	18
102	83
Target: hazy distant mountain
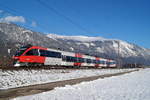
13	36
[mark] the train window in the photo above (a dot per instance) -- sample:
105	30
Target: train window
108	63
68	58
80	59
71	59
33	52
112	62
29	52
19	52
42	52
102	62
89	60
46	53
63	57
75	59
83	60
94	61
53	54
97	61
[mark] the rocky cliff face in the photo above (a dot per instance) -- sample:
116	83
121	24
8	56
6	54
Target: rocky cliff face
12	36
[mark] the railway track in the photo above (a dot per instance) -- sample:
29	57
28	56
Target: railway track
47	68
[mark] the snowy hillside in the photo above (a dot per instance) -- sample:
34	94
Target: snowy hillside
21	35
13	36
75	38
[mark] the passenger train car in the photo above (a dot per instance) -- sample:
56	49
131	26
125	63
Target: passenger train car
39	56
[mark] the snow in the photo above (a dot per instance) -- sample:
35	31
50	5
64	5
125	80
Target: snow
83	43
27	31
92	44
18	78
71	48
126	49
76	38
86	44
101	50
131	86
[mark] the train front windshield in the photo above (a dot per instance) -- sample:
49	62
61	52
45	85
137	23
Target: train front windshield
20	51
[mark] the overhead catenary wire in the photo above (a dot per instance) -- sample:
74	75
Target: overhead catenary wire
29	20
52	9
12	12
43	26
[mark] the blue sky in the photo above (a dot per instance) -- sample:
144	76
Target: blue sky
127	20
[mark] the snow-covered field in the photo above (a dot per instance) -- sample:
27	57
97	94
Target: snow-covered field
11	79
131	86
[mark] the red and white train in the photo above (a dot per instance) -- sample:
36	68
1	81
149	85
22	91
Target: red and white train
36	56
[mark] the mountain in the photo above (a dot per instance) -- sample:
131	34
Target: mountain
13	36
108	48
102	45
